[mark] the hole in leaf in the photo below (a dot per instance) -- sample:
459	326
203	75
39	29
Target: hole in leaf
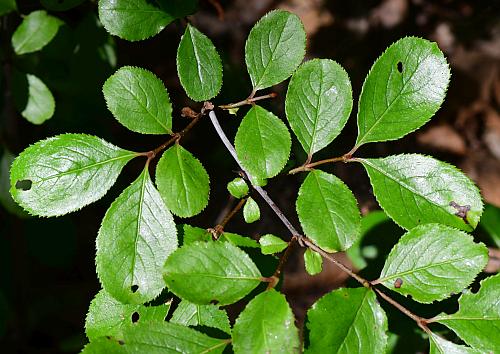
398	283
134	288
214	302
24	184
400	66
135	317
121	342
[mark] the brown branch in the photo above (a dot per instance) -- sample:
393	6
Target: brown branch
282	261
219	228
249	100
218	7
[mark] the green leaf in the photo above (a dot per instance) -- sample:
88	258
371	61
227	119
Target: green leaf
404	89
274	48
189	314
7	6
35	32
41	104
262	143
414	189
5	197
318	103
440	345
328	211
251	211
266	325
103	345
198	65
433	261
136	237
238	240
192	234
60	5
359	324
271	244
207	272
477	321
313	262
64	173
139	101
238	187
182	181
107	316
490	222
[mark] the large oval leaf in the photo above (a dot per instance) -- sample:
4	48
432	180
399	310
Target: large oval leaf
433	261
35	32
189	314
199	65
318	103
182	181
64	173
41	104
139	101
136	236
477	321
328	212
347	321
404	89
414	189
207	272
274	48
259	330
262	143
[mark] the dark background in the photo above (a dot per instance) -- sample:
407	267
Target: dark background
47	266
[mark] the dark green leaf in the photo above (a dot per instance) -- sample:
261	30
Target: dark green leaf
251	211
238	187
313	262
189	314
490	222
404	89
41	104
271	244
64	173
7	6
208	272
35	32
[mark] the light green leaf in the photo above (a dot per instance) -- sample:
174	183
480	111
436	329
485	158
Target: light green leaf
238	240
198	65
271	244
64	173
5	197
328	211
266	325
107	316
359	324
182	181
238	187
60	5
318	103
490	222
41	104
440	345
192	234
35	32
139	101
414	189
274	48
433	261
208	272
477	321
313	262
7	6
403	90
189	314
136	237
262	143
251	211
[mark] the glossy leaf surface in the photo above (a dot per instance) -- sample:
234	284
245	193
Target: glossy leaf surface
271	244
313	262
251	211
189	314
238	187
35	32
440	345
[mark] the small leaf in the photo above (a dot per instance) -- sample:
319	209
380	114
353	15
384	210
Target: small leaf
404	89
208	272
433	261
440	345
192	234
359	325
103	345
41	104
198	65
238	240
414	189
251	211
189	314
139	101
266	325
477	321
182	181
7	6
35	32
262	143
490	222
107	316
313	262
318	103
136	237
328	211
64	173
274	48
271	244
238	187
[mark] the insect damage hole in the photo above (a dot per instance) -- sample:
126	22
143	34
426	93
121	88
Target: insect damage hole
398	283
134	288
400	66
135	317
24	184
